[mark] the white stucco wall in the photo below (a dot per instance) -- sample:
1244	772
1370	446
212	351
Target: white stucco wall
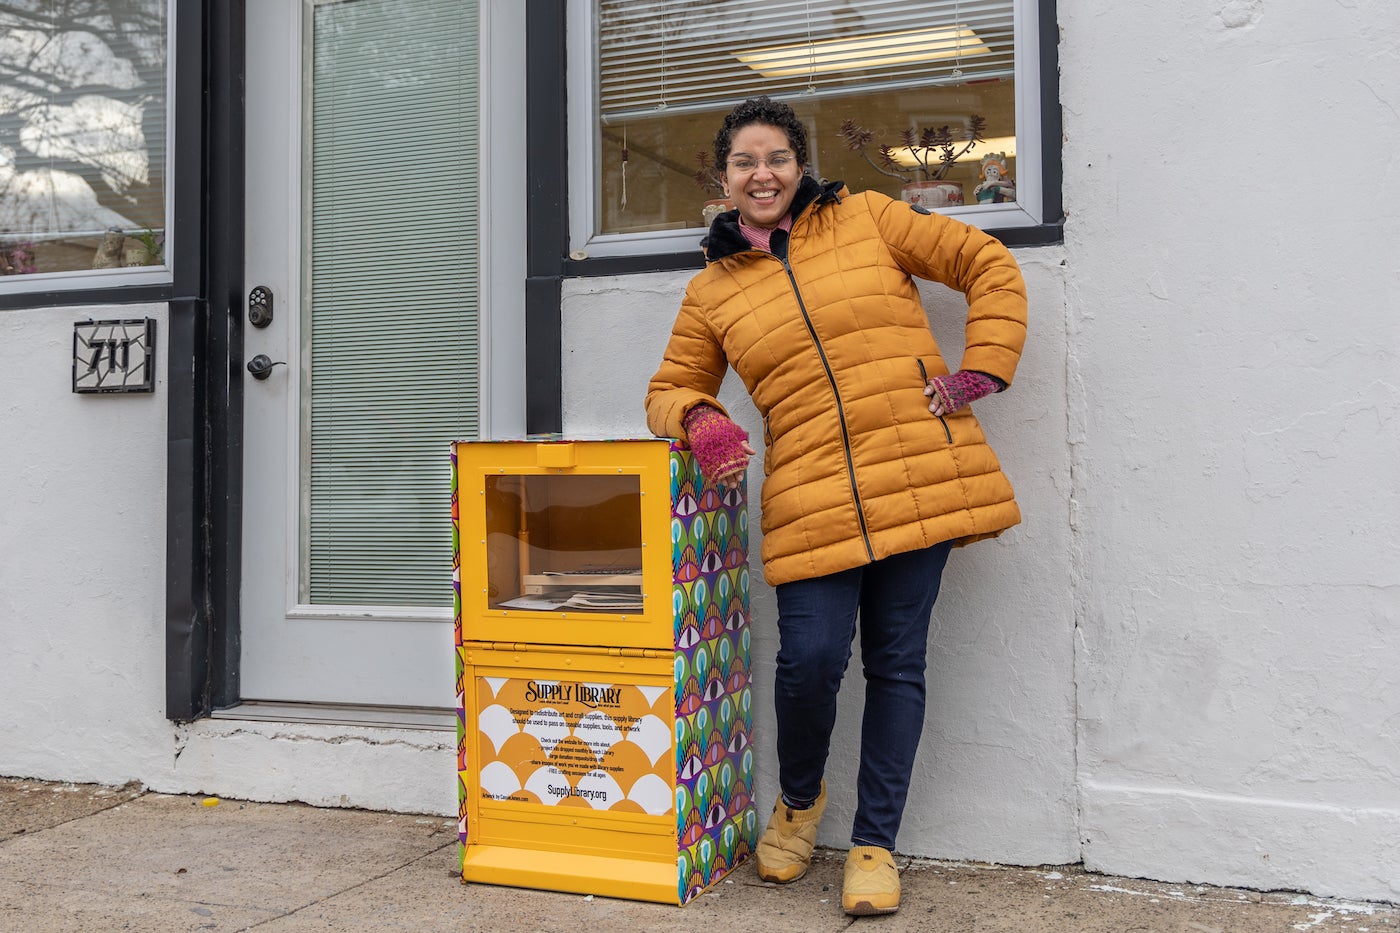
82	558
82	608
1218	358
1234	222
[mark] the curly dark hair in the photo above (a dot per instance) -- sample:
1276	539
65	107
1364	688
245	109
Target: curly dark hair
768	112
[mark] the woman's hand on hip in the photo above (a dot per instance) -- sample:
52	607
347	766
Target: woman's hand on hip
949	393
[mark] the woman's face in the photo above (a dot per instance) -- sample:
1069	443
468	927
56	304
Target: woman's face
762	191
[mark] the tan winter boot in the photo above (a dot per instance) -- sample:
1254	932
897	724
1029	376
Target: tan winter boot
872	882
785	848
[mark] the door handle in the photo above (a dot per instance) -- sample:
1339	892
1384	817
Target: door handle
261	366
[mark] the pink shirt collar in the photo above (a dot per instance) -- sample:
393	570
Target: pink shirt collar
759	237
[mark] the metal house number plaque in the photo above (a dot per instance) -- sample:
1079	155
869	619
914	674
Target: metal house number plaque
114	356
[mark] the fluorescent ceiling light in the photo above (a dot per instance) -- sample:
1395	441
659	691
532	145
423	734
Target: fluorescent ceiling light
860	52
1007	144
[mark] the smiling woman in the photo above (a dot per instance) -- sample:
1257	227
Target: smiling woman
82	135
874	466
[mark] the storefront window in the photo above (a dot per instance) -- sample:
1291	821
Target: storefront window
910	83
82	135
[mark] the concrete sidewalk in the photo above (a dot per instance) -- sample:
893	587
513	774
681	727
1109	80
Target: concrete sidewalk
90	858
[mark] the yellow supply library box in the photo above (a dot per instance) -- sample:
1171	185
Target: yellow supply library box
604	709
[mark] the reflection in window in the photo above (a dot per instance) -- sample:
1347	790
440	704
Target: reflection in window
82	134
902	71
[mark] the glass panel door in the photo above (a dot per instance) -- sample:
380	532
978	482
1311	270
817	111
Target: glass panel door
362	221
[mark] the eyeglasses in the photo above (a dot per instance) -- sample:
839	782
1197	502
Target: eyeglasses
746	165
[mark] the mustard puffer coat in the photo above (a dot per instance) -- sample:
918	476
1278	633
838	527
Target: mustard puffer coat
834	346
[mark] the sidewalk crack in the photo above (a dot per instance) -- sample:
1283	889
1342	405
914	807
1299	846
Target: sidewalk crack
121	801
360	884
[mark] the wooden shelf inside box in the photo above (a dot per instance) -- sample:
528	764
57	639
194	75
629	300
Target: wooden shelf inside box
536	584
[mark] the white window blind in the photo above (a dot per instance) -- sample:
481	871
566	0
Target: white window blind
392	296
679	56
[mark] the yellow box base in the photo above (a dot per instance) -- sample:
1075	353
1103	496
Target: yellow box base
633	879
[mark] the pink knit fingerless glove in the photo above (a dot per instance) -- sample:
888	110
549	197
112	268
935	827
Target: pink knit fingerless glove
716	441
962	387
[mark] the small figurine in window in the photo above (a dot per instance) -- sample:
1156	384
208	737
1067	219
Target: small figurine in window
996	186
109	251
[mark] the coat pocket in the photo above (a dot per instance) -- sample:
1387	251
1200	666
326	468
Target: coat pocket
923	371
767	445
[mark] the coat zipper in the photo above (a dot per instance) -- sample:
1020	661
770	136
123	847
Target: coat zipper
840	410
924	372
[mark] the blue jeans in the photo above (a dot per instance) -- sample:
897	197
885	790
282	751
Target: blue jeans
816	626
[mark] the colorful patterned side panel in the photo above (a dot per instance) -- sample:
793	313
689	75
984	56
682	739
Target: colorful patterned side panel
710	596
461	675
